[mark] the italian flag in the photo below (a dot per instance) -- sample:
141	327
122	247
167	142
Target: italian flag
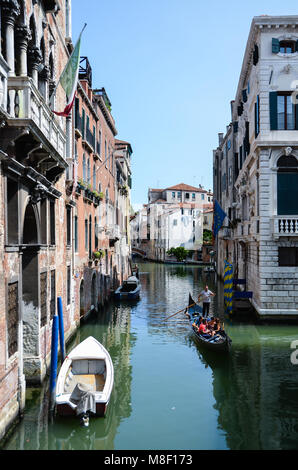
69	78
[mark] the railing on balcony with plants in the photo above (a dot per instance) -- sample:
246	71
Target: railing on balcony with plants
285	225
90	194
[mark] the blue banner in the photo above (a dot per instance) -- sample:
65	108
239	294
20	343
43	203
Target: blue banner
218	217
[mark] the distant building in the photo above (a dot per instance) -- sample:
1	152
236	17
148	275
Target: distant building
174	218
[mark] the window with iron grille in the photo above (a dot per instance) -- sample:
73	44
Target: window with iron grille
13	318
43	298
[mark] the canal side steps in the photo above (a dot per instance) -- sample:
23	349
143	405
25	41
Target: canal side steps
241	303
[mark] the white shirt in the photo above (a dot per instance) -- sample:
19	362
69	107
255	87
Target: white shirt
206	296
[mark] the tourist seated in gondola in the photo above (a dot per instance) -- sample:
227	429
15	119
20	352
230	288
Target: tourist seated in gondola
203	329
197	322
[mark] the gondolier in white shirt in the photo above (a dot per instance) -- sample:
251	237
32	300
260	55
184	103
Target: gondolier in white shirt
206	295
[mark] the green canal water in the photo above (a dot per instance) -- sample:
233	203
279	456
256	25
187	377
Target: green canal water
170	394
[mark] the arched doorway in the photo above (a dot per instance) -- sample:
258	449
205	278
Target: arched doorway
31	296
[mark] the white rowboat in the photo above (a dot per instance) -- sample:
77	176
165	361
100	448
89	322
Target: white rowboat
90	365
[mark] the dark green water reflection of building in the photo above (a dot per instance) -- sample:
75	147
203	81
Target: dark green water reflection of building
170	394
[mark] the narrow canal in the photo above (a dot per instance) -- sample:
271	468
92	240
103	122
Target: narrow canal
169	394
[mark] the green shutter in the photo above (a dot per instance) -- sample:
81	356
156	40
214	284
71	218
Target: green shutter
297	45
275	46
273	110
287	193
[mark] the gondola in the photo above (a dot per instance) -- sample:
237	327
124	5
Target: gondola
220	342
129	290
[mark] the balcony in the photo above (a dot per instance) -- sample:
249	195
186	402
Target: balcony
285	226
38	137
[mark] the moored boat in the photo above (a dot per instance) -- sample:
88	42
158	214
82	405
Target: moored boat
130	289
87	369
220	342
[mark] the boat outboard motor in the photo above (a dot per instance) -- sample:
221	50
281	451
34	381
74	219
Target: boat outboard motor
84	398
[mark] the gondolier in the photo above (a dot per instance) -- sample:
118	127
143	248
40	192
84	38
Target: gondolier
206	295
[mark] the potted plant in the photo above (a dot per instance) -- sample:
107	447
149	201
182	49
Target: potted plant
124	190
98	254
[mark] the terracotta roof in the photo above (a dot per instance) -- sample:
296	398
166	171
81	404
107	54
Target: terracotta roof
186	187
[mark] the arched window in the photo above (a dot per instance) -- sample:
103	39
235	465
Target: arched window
287	186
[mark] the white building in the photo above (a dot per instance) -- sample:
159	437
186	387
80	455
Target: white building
173	219
256	181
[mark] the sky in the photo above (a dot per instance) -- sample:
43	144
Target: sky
170	69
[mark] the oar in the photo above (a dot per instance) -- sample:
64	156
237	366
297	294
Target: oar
180	311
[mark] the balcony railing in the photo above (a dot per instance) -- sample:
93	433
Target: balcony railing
285	226
27	107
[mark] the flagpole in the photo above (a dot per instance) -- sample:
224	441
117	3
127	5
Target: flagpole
55	89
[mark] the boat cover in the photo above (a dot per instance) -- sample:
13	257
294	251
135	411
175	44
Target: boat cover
84	398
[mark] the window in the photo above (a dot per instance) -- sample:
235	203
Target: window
86	234
95	233
84	168
76	233
94	177
68	226
106	155
287	186
193	196
53	294
52	223
12	212
283	113
179	195
285	46
68	284
257	117
175	222
288	256
186	195
203	195
43	298
88	172
99	143
173	194
83	123
13	318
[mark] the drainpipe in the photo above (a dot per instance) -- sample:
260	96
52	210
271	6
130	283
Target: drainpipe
68	19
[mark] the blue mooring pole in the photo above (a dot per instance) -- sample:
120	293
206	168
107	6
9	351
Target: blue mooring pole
61	329
54	360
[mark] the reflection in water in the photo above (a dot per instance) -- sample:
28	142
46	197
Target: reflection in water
169	393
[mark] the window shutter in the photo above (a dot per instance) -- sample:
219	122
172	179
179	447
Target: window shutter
296	114
297	45
244	96
273	110
256	55
257	117
235	126
275	46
